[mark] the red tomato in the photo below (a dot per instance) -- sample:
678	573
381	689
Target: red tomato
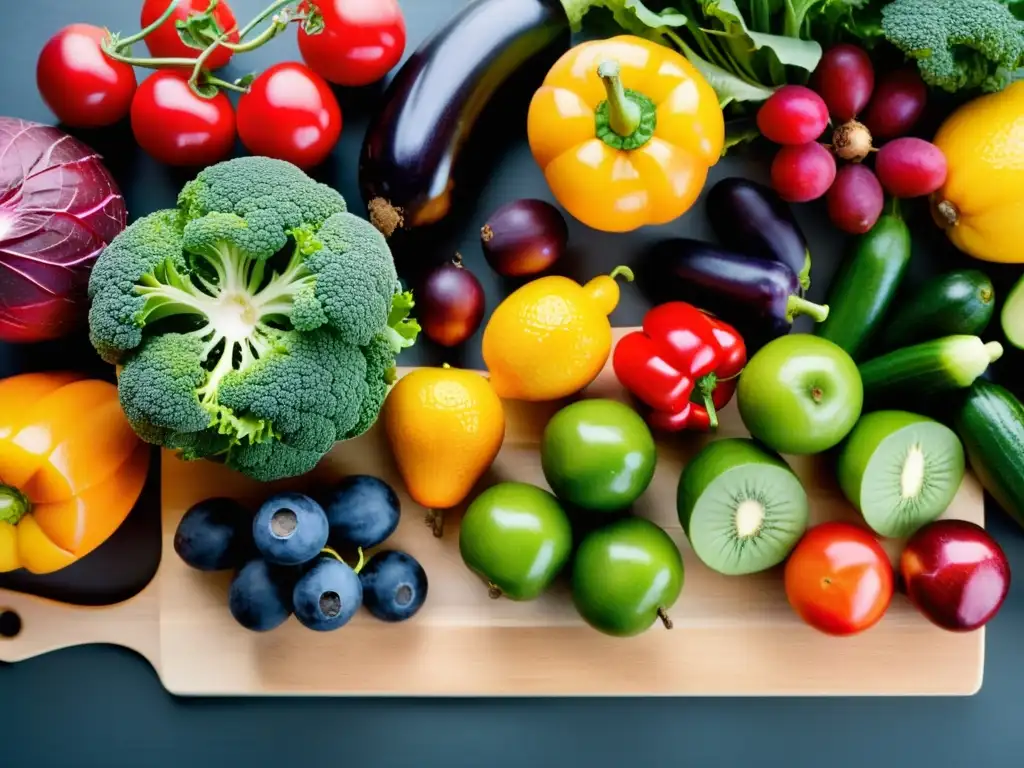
839	579
83	86
290	113
176	126
360	43
164	42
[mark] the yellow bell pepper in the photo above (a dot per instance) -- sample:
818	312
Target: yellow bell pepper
625	131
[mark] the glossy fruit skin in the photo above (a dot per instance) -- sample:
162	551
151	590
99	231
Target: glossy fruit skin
855	199
598	454
362	511
164	42
290	539
445	426
327	595
910	167
80	84
845	78
70	456
260	595
178	127
899	99
215	535
517	538
290	113
838	579
524	237
394	586
450	304
800	394
623	574
792	115
803	172
956	574
362	40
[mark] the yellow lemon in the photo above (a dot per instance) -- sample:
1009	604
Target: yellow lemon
551	337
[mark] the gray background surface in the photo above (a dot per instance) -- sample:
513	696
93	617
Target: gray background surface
104	706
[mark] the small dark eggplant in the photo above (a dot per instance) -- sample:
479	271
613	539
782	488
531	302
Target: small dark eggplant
750	218
412	150
758	296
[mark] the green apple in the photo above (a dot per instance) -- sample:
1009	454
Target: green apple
800	394
598	454
517	538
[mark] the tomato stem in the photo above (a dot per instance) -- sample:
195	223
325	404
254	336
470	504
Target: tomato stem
211	80
129	41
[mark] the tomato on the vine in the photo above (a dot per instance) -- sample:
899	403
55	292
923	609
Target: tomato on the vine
164	42
290	113
839	579
362	40
80	84
176	126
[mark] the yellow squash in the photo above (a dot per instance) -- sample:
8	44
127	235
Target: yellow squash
981	205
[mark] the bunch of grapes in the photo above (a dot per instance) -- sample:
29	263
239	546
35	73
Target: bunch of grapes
844	94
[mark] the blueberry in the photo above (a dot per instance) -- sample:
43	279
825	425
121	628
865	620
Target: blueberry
215	535
327	595
362	511
394	585
260	597
290	529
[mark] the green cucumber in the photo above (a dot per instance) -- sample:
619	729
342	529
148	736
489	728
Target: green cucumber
940	365
1012	316
990	422
865	285
955	303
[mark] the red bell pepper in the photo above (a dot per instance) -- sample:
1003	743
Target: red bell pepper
682	350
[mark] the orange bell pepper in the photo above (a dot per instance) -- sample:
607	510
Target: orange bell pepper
625	131
71	469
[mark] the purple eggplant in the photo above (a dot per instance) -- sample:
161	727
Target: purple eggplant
760	297
413	148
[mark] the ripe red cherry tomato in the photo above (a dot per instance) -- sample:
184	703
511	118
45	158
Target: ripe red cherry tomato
290	113
164	42
83	86
839	579
362	41
176	126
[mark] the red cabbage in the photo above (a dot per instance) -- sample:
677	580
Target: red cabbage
59	207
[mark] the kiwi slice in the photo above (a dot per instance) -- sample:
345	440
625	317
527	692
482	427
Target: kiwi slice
901	470
741	506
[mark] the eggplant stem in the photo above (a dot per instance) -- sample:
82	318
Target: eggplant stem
797	305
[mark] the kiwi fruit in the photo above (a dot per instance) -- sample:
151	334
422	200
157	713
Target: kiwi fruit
901	470
741	506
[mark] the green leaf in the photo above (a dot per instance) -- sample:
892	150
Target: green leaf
791	51
314	22
632	15
200	29
402	329
203	88
245	80
740	131
728	86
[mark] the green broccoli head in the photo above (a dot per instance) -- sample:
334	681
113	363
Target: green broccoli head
958	44
257	324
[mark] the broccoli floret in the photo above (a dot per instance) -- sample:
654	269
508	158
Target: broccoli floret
257	324
958	44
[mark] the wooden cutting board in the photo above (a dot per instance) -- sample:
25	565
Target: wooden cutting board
732	635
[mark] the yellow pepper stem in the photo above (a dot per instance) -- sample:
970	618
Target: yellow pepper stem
13	505
623	113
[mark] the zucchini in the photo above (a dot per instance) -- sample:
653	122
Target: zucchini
940	365
865	285
990	422
955	303
1012	316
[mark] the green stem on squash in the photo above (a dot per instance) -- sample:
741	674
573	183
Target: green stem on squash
707	386
13	505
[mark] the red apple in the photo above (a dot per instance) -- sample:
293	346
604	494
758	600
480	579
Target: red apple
955	574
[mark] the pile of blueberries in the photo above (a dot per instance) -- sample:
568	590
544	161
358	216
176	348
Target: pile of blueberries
286	557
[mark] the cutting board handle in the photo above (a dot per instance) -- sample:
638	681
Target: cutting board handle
48	625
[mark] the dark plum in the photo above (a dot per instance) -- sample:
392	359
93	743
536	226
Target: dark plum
260	596
328	595
845	79
524	237
899	100
290	529
362	511
450	303
215	535
394	585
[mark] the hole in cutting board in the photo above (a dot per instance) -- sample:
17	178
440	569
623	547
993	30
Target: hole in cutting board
10	624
